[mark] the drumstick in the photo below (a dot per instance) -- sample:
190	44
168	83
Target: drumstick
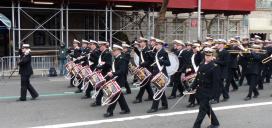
155	62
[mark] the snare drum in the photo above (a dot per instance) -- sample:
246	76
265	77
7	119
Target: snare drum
142	74
84	72
111	89
160	80
69	66
96	79
76	69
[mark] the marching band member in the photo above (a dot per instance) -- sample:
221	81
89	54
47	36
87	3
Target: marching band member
119	71
145	61
162	60
252	71
83	59
74	53
195	60
126	53
104	65
242	60
266	75
25	70
232	66
92	62
222	61
261	66
206	83
177	84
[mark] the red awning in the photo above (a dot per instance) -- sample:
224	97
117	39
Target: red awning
229	5
182	4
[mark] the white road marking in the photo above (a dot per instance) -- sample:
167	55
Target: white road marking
95	122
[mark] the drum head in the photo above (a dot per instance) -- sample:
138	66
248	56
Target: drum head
173	68
136	59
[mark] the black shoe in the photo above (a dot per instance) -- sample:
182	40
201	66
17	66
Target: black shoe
95	104
148	99
256	96
163	108
108	114
260	88
34	98
172	97
124	112
214	102
247	98
225	99
151	110
180	95
136	101
85	97
128	92
235	89
21	99
213	126
78	91
191	105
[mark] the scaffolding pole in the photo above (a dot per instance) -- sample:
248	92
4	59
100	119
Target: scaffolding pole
106	24
67	26
227	28
199	20
110	26
61	24
13	33
19	24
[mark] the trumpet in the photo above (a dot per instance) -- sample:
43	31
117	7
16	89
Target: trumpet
267	59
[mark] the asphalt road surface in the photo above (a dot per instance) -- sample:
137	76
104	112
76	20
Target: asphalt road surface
58	106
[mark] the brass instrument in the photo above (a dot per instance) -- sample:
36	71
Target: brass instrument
246	51
267	59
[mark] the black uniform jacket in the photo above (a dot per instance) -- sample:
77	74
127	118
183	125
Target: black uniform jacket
253	64
222	61
163	58
120	71
148	59
25	68
207	80
94	56
107	58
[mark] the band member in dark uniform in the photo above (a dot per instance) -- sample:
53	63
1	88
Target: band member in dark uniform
145	61
25	70
92	62
206	83
222	60
104	66
83	59
177	85
253	70
242	61
74	53
232	66
118	71
162	60
266	75
126	53
195	60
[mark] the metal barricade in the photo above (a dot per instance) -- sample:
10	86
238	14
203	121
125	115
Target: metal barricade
40	64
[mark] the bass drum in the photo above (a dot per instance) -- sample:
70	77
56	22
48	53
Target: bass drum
171	70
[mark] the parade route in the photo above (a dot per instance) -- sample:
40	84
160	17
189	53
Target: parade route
59	107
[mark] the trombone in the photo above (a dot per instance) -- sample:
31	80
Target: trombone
267	59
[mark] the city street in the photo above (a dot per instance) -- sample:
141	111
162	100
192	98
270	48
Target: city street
58	106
